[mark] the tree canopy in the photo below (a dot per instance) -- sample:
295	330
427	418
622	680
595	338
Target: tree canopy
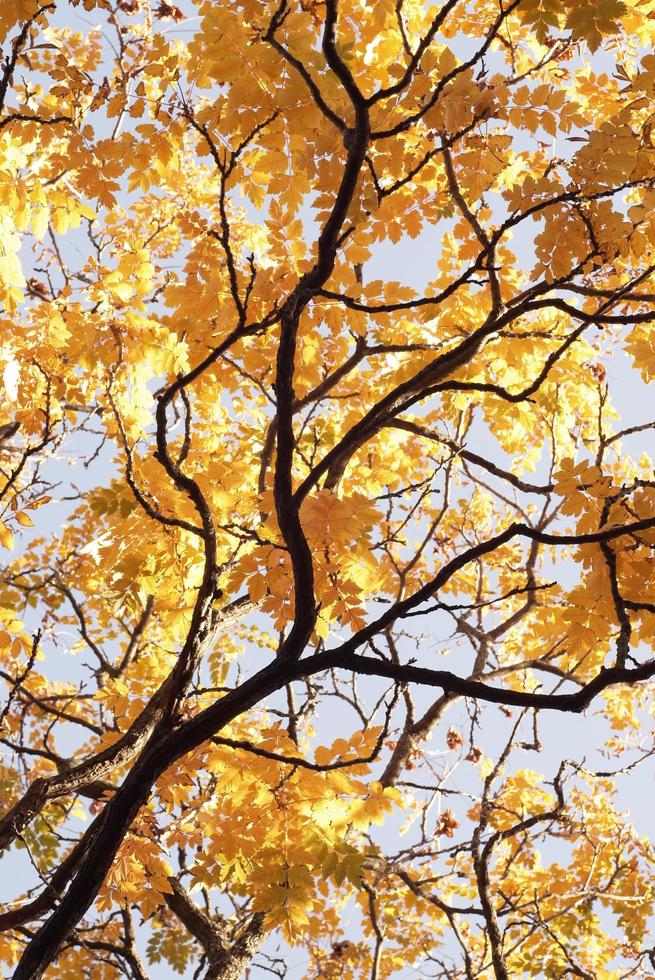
320	503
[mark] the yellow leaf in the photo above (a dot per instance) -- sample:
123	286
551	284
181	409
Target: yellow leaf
6	537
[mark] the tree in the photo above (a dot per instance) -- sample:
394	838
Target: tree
338	548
